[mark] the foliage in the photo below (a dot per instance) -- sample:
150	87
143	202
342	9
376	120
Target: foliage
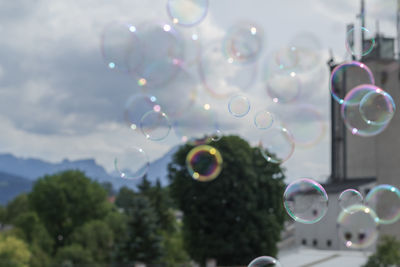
19	205
161	202
66	201
13	252
173	248
387	253
237	216
73	255
125	198
142	242
95	237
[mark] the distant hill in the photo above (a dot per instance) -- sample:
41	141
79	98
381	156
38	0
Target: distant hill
12	186
26	170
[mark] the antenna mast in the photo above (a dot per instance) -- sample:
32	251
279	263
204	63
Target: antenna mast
398	29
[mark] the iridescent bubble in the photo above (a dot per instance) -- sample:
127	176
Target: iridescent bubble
163	53
306	47
377	107
358	227
121	48
132	163
204	163
243	42
350	197
239	106
193	46
155	125
286	58
307	128
196	126
283	87
276	144
216	136
351	115
385	199
178	96
221	77
340	78
136	106
306	201
359	50
263	119
264	261
187	12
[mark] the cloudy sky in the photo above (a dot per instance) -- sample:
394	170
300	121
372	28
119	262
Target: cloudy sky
59	100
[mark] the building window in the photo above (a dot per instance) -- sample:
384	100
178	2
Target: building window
329	243
304	242
315	212
315	242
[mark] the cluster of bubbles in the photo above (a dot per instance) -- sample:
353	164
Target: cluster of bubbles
366	109
159	57
306	201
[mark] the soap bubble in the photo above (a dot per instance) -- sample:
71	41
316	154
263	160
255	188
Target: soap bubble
264	261
132	163
221	77
276	144
121	48
350	197
163	54
306	201
283	87
358	227
352	117
243	42
377	107
204	163
155	125
385	200
136	106
187	12
340	78
365	48
306	47
239	106
263	119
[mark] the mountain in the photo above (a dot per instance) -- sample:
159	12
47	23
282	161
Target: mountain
12	186
27	170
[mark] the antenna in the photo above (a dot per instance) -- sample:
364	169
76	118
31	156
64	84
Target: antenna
361	16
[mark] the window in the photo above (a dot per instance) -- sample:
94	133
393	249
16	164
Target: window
315	242
304	242
329	243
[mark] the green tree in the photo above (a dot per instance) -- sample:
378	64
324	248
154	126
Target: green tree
142	242
239	215
125	198
161	202
173	248
13	252
67	200
95	237
73	255
387	253
17	206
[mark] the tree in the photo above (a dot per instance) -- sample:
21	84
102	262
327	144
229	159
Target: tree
67	200
239	215
13	252
142	242
161	202
387	253
125	198
97	238
73	255
17	206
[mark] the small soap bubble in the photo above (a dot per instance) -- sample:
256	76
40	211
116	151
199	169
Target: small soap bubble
358	227
263	119
239	106
155	125
264	261
204	163
132	163
187	12
385	200
350	197
306	201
